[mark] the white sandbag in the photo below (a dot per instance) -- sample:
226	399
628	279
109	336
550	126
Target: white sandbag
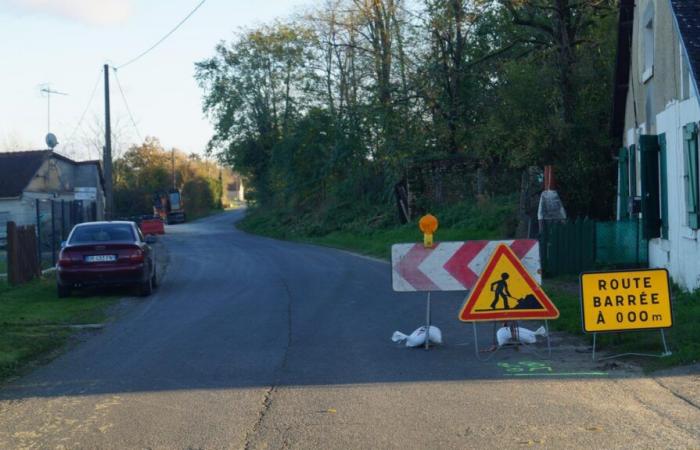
504	335
417	338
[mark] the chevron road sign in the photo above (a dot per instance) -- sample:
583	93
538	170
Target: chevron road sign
454	266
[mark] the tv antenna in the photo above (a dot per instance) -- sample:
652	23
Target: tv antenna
48	91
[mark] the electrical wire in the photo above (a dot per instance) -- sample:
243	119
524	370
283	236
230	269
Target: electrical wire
126	103
160	41
87	107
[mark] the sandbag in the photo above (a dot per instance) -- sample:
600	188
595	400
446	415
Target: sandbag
504	335
417	338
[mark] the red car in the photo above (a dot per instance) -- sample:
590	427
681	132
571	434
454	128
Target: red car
106	254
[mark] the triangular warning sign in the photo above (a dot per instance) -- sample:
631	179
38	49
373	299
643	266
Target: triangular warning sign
506	291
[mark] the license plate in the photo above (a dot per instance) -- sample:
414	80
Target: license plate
100	258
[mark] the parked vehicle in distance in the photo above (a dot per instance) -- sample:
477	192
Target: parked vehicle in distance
106	254
169	207
151	225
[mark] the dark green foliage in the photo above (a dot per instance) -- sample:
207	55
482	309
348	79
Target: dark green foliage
147	169
326	114
373	234
683	338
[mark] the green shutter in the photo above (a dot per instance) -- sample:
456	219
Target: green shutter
663	173
649	160
690	174
623	184
633	170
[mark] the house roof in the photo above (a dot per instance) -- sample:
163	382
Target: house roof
18	168
688	19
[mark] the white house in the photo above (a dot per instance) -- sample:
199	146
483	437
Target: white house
43	175
655	119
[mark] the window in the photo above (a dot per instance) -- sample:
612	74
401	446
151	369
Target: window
111	232
690	175
648	43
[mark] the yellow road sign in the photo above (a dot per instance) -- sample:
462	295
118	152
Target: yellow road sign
623	301
506	291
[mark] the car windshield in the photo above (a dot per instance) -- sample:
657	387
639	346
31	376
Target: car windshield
102	233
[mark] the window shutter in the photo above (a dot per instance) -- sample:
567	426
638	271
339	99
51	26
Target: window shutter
623	184
663	173
633	170
690	175
649	160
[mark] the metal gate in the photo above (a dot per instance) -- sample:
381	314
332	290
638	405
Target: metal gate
572	247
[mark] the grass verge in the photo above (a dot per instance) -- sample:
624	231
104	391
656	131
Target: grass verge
487	219
33	321
683	339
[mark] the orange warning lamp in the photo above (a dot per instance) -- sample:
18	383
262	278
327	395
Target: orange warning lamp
428	224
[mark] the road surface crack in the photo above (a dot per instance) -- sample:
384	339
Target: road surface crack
677	395
269	392
655	409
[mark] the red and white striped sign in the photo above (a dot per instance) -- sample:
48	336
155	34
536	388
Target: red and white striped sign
454	266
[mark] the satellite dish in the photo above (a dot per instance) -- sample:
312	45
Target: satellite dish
51	140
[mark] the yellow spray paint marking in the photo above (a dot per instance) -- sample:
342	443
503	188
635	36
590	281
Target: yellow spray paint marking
621	301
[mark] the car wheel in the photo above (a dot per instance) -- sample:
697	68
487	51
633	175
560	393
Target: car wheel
62	291
146	288
154	279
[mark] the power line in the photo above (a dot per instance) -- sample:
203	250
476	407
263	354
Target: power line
87	107
148	50
128	110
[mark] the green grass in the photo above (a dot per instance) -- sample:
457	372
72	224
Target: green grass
33	319
372	235
683	339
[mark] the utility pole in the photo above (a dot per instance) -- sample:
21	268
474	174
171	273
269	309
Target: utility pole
107	157
172	158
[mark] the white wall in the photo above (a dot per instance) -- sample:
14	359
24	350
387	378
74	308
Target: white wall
18	212
680	254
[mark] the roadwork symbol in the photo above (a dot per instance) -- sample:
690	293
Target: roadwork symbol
506	291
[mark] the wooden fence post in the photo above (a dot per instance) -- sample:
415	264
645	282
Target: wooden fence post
12	268
22	261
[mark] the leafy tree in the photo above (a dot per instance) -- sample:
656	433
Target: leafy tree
326	112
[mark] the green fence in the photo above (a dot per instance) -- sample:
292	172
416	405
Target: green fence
573	247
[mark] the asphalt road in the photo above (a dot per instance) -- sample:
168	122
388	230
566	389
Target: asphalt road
256	343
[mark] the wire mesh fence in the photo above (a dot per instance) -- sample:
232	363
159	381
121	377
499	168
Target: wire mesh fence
53	220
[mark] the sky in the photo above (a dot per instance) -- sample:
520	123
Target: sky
66	42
